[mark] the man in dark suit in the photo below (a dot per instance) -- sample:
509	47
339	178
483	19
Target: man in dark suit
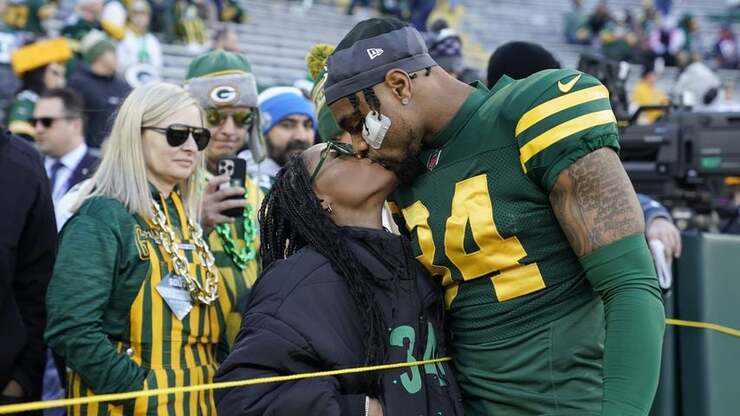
27	250
58	121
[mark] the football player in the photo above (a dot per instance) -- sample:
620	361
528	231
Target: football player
516	200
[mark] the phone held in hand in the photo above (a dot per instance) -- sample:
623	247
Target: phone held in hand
236	169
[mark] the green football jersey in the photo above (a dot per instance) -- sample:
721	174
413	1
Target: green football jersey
480	217
26	15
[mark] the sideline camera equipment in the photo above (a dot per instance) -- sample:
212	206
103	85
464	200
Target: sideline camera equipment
682	161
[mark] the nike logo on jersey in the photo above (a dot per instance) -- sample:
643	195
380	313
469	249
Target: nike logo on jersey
374	53
565	88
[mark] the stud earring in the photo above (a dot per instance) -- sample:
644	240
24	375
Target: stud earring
326	206
404	101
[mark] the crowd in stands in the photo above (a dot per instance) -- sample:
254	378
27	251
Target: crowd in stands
656	37
113	46
415	12
72	92
655	31
102	50
105	48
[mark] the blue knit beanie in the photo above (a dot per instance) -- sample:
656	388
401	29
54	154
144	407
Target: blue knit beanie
278	103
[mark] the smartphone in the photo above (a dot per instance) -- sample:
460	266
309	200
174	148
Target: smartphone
236	169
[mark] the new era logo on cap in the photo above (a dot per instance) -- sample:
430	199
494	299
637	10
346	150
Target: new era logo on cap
374	53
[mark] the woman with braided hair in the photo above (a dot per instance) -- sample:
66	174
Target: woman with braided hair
338	291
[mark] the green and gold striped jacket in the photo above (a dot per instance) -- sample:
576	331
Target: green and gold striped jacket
109	322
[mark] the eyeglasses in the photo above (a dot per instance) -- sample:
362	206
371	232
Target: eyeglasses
342	149
177	135
241	118
46	121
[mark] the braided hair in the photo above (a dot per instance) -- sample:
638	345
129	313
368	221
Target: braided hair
291	217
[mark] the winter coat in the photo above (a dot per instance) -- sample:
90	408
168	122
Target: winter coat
302	318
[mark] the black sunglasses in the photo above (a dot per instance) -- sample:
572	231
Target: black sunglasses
241	118
342	149
177	135
46	121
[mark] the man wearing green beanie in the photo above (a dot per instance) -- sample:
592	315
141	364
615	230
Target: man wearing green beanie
99	85
224	85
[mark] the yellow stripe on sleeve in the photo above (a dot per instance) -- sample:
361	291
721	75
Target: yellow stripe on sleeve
556	105
560	132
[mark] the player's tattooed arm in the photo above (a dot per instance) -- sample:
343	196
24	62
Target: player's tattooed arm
595	202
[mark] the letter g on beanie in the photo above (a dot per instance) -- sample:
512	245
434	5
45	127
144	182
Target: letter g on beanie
219	79
224	79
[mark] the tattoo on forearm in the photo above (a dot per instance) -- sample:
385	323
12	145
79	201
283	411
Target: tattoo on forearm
595	203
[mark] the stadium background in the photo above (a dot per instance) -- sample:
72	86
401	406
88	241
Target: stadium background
700	369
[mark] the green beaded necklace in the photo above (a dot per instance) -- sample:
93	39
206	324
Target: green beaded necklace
246	254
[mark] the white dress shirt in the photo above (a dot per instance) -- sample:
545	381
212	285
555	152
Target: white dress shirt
69	163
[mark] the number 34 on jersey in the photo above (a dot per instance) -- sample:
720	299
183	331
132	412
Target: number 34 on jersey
488	255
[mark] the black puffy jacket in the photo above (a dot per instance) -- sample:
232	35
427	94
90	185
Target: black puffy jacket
302	318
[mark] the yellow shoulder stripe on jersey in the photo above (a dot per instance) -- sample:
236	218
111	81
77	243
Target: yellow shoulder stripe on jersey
561	131
556	105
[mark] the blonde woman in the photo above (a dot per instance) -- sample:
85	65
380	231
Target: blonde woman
135	301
